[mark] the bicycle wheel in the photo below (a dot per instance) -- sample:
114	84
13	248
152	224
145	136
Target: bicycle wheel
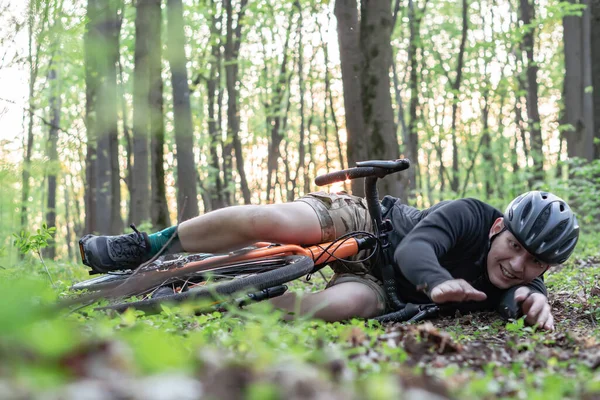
256	275
112	280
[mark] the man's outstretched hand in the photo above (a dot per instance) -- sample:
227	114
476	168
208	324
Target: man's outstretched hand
535	308
456	290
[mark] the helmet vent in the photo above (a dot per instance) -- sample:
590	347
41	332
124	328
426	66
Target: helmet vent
526	211
541	221
562	207
544	196
558	229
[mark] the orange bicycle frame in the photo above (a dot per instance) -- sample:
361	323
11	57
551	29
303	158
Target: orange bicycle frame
320	253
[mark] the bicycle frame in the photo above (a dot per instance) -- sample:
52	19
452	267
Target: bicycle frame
321	254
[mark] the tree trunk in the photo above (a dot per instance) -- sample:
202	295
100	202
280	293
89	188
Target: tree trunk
232	48
111	104
126	132
301	147
412	137
101	115
454	183
187	194
275	114
68	236
215	186
351	58
159	210
140	175
577	103
594	6
33	61
533	115
328	93
375	35
54	104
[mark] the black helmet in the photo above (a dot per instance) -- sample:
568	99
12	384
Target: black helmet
544	224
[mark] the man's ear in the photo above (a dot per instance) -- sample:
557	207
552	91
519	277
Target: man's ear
497	226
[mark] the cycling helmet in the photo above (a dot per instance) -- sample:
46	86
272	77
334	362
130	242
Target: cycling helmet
544	224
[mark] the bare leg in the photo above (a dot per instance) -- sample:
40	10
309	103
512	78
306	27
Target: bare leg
238	226
337	303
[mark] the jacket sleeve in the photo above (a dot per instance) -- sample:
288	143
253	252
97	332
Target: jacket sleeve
435	235
508	307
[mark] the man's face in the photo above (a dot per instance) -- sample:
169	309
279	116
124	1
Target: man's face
508	263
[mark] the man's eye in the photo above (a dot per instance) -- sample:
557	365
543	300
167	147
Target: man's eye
514	245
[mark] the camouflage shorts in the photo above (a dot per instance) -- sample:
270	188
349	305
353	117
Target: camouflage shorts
340	213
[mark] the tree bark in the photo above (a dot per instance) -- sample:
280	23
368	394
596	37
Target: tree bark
351	58
68	236
594	6
412	137
275	115
159	209
33	61
102	120
187	194
577	103
375	35
301	147
454	183
232	48
54	104
140	175
215	187
533	115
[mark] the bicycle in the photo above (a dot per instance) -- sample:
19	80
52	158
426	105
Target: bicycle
261	271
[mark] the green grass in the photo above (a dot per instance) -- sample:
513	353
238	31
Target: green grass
253	355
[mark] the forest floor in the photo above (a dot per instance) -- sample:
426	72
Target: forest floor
251	354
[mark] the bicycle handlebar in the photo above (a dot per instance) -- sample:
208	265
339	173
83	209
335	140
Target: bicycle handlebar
363	169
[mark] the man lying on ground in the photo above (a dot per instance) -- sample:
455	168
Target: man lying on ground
455	251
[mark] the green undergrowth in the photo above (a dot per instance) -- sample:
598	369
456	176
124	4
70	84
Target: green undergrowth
44	349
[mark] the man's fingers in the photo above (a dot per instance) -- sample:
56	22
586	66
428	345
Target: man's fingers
522	293
471	293
456	290
549	325
542	317
535	307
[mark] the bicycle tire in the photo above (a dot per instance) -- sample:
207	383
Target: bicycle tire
100	282
112	280
295	267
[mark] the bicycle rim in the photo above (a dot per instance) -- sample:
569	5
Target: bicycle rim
244	277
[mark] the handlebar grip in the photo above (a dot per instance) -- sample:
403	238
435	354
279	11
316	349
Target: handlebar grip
341	176
363	169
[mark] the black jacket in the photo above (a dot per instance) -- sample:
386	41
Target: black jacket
447	241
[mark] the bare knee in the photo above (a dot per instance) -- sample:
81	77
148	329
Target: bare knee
362	304
344	301
284	223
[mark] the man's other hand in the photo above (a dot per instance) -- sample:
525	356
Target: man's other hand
535	308
456	290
